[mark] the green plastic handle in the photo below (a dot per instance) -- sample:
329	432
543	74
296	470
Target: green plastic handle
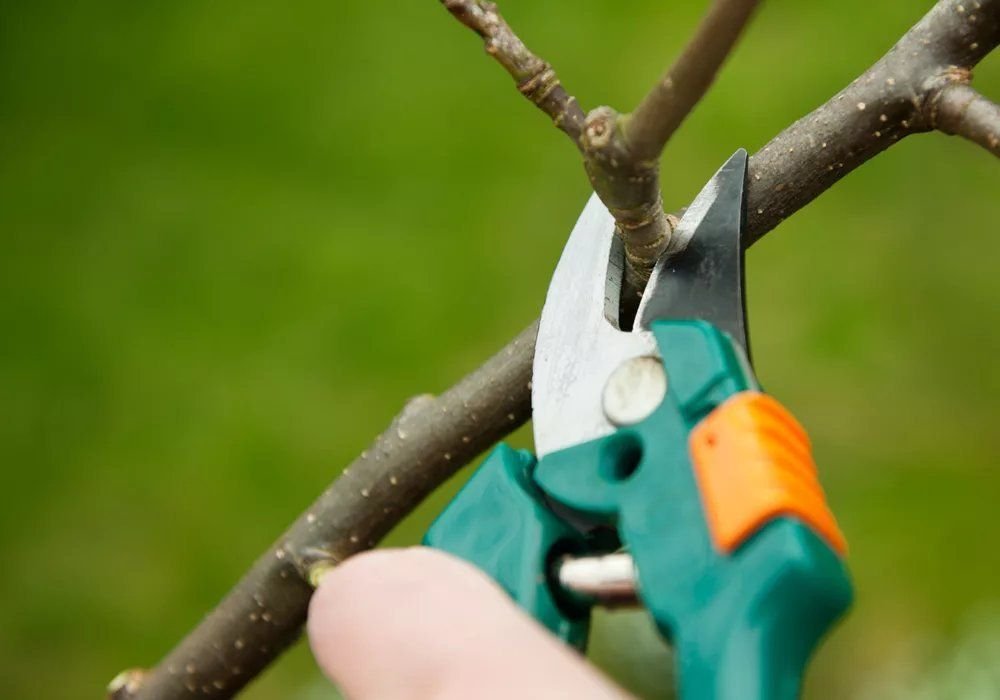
744	623
753	639
500	522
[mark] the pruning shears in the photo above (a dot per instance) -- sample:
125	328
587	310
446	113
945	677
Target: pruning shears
663	473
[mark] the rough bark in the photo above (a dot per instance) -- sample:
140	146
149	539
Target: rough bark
621	152
426	443
890	101
958	109
917	86
535	78
644	133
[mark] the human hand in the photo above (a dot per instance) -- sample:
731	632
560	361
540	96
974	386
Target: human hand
418	624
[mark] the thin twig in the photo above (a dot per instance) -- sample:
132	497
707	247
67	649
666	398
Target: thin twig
433	437
959	110
535	78
621	152
665	106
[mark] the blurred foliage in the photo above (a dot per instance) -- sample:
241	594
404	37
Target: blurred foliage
237	235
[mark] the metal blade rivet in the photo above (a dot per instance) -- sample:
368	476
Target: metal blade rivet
634	390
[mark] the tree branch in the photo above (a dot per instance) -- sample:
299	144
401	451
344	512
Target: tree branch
425	444
535	78
958	109
890	101
433	437
662	110
621	152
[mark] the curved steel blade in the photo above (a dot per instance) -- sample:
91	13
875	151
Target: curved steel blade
705	280
578	347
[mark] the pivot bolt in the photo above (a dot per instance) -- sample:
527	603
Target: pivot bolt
634	390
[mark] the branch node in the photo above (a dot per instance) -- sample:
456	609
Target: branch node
599	127
535	78
443	434
125	684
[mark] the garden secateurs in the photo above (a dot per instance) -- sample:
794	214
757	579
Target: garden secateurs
663	473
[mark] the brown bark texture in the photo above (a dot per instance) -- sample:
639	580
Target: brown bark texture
621	152
921	84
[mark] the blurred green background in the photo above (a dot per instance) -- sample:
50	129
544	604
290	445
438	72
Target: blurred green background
237	235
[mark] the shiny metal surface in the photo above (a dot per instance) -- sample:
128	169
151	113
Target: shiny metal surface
579	348
608	580
705	279
634	390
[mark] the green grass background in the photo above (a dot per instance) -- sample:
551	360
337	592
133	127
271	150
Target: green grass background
237	235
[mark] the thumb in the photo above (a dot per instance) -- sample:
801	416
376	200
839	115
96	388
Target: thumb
418	624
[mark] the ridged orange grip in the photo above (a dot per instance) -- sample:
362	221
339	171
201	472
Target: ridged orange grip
753	462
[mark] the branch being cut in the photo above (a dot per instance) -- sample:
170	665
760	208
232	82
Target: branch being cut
624	149
433	437
621	152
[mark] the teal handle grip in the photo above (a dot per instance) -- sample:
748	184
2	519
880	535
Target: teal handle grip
743	621
500	522
753	639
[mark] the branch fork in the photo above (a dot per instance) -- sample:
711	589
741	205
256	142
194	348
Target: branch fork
630	187
621	152
955	108
919	85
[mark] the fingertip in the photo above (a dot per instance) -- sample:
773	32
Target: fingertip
418	623
383	621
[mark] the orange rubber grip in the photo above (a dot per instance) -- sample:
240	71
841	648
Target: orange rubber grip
753	462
